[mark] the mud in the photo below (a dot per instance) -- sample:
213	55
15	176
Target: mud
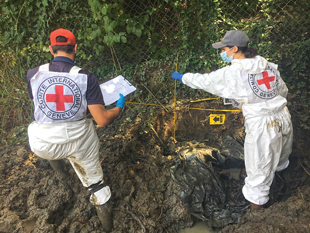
136	157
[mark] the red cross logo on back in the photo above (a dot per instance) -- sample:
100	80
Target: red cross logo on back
59	98
266	80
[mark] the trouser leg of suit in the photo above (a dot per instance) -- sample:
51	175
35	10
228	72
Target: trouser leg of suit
287	140
59	167
82	152
265	149
87	166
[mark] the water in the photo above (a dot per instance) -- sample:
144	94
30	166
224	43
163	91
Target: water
199	227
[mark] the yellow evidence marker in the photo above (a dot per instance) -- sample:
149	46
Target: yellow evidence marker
217	119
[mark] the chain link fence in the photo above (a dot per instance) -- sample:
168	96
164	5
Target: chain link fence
278	29
276	23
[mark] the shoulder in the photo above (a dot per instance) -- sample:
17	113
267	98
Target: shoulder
91	77
32	72
89	74
82	71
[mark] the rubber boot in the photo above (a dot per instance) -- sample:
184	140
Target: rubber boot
104	213
59	167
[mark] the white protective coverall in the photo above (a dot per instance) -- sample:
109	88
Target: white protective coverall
53	138
257	88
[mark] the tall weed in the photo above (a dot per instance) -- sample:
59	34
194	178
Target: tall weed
15	105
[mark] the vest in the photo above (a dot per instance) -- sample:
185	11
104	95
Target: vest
59	96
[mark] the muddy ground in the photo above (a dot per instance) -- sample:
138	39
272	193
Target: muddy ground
137	153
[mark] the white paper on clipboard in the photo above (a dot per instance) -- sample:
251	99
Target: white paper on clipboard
112	88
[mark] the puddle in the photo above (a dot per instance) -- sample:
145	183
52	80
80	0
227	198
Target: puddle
199	227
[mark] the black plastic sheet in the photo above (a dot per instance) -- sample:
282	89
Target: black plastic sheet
207	194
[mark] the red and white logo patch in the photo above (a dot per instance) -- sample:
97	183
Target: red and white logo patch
264	85
59	98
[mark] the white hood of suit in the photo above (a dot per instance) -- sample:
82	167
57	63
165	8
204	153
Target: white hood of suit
254	65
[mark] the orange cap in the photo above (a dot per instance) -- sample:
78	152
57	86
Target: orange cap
65	33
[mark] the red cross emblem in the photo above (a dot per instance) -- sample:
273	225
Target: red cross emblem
59	98
266	80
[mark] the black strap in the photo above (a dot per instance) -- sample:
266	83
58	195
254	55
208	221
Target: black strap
96	187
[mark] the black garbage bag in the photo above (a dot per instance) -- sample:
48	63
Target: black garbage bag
232	153
208	190
203	191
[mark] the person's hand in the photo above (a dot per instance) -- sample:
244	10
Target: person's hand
121	101
176	75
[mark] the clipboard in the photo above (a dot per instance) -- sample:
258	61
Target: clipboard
112	88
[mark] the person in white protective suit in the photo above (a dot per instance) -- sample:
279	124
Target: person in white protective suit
63	94
255	86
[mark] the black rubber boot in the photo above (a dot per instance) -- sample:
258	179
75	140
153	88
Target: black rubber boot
59	167
104	213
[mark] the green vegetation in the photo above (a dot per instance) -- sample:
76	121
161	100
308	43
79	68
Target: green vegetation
15	105
142	40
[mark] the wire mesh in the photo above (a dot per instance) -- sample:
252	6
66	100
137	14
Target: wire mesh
271	26
285	22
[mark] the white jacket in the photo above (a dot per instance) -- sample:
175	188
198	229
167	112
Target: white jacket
247	81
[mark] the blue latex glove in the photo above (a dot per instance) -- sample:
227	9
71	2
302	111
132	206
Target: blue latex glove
177	76
121	101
